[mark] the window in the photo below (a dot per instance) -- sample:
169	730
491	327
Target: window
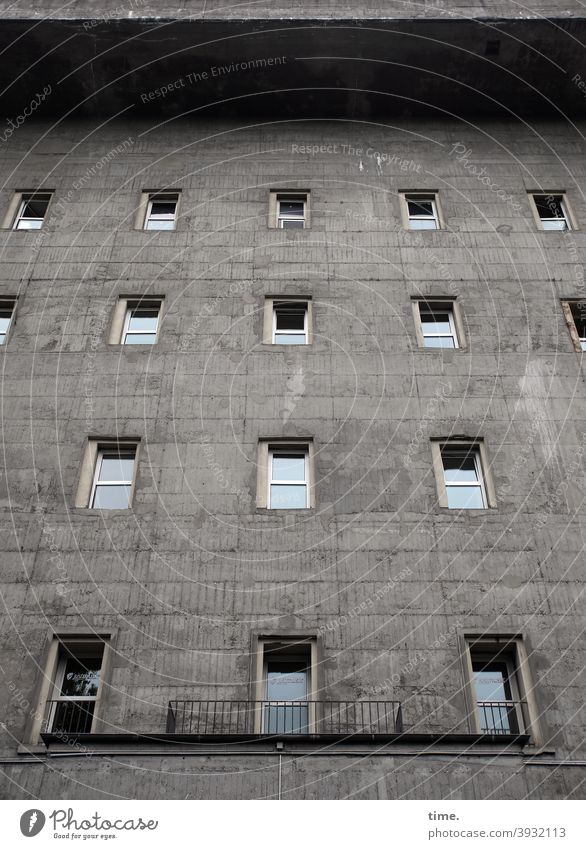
462	474
502	696
289	323
438	323
161	212
288	487
575	315
289	210
552	211
463	478
113	478
32	211
7	307
141	323
72	703
285	475
285	684
421	211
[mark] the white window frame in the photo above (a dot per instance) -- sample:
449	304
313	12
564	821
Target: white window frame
291	306
302	452
25	198
105	449
422	196
282	197
56	696
565	208
131	306
473	451
161	198
426	307
7	304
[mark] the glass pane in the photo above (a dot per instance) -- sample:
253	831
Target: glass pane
286	719
439	342
420	207
549	206
285	339
292	225
140	339
144	320
422	224
290	319
465	498
81	676
2	338
4	324
288	467
35	209
459	467
29	224
160	207
491	683
291	207
116	467
286	497
555	224
583	344
435	322
160	225
112	497
286	681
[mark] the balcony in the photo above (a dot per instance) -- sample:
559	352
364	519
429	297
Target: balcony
71	716
230	718
501	718
420	721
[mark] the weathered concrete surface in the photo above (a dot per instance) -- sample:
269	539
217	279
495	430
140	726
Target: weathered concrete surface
195	568
360	62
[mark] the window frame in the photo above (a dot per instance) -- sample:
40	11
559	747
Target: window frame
6	304
448	303
270	303
569	218
510	648
271	481
286	643
464	444
103	450
140	305
68	640
264	472
117	327
281	305
578	341
278	195
437	217
19	201
89	469
145	205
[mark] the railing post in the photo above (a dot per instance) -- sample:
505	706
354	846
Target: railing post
399	720
171	723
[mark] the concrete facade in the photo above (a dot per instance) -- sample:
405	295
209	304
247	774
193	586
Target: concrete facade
387	582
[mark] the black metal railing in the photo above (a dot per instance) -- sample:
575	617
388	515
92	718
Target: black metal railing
215	717
69	717
505	717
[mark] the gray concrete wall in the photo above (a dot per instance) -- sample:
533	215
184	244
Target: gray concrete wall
195	568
